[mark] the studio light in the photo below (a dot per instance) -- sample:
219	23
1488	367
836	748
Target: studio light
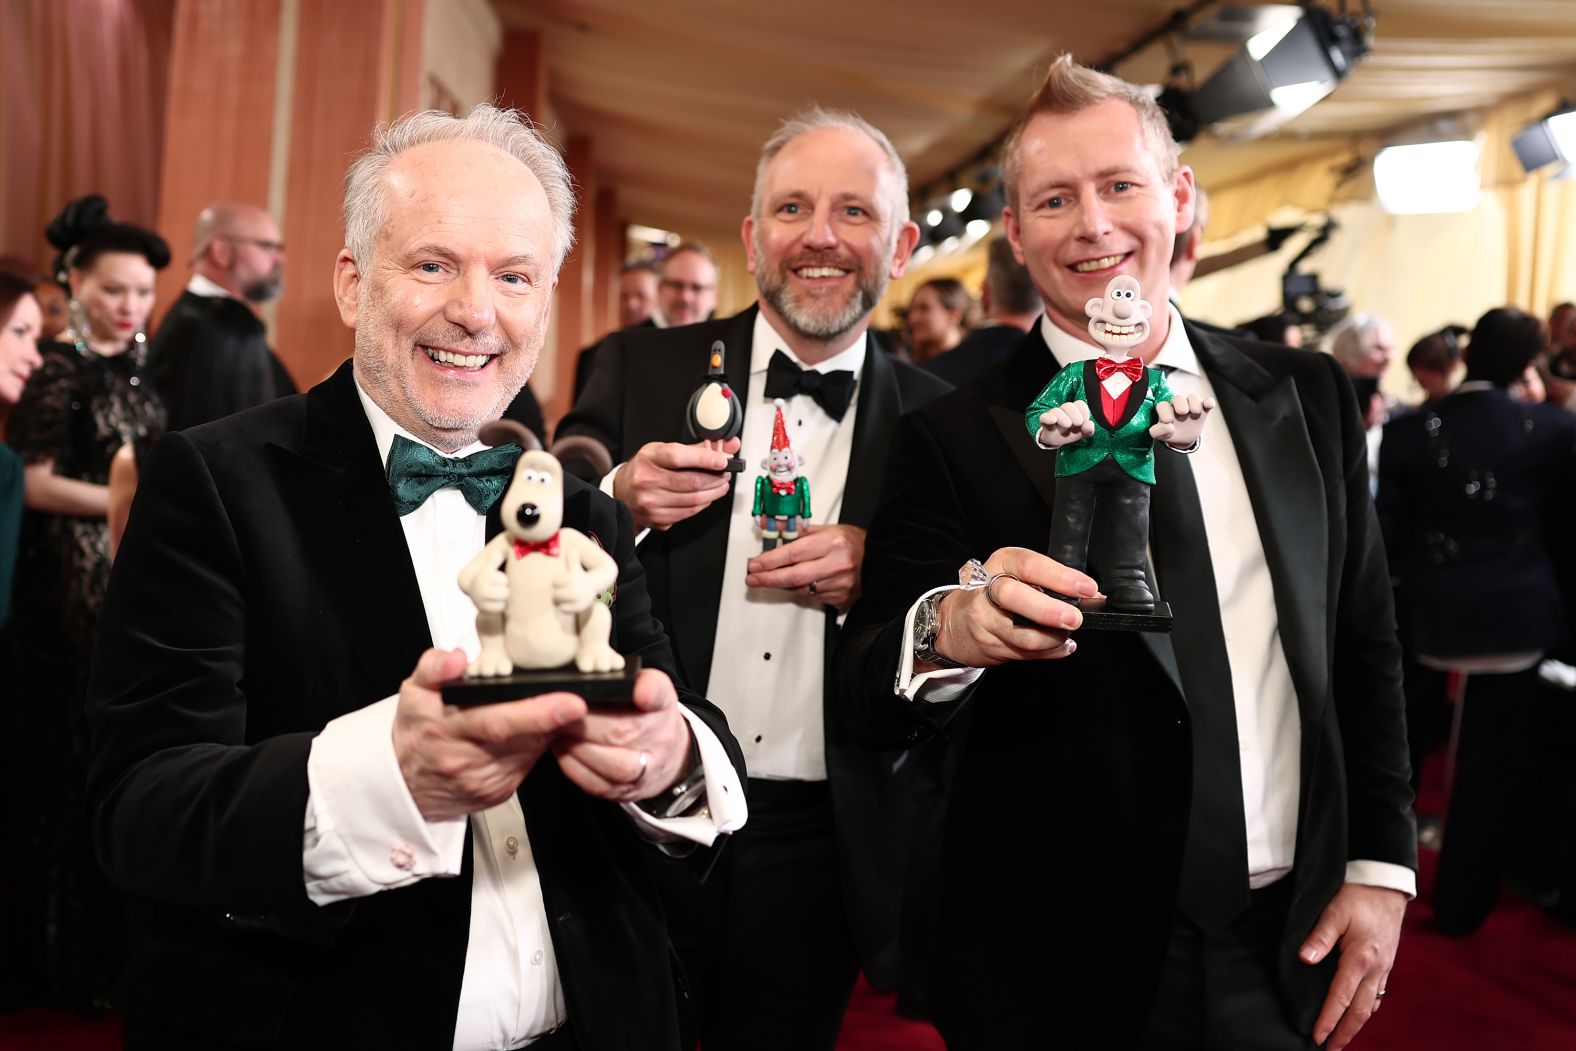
1428	177
1286	66
1546	141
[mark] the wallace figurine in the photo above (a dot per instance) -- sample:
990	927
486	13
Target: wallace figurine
1103	417
539	591
782	494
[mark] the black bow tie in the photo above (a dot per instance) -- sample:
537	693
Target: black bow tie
831	390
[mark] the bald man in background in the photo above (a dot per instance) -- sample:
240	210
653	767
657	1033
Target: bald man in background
210	355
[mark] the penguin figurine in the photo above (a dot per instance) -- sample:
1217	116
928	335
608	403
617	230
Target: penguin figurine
714	412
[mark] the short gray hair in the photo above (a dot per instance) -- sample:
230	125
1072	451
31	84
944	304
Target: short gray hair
814	119
1351	340
506	129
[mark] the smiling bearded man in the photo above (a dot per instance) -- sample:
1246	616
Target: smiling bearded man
773	943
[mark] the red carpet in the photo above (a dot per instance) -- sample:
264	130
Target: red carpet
1509	987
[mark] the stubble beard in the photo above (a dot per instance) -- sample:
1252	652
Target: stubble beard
393	387
810	317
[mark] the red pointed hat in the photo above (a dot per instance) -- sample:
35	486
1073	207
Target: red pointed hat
779	429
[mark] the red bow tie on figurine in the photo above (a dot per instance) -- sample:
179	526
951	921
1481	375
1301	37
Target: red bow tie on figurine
1132	368
783	488
547	547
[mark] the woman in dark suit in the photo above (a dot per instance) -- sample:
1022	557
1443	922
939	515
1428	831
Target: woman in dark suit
1471	489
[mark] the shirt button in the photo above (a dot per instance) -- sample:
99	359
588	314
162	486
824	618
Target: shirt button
536	958
511	845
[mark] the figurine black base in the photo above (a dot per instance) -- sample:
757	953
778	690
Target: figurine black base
1097	618
735	465
600	689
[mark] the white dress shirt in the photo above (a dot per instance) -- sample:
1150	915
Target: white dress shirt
1269	728
208	289
769	656
363	833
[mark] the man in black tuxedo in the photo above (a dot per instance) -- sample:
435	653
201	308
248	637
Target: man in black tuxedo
1193	840
810	891
210	356
277	822
1011	306
1476	493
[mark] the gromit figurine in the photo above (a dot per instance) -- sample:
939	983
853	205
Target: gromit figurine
536	585
1103	417
782	494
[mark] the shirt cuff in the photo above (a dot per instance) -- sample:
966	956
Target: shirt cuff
606	485
941	686
725	809
363	832
1383	874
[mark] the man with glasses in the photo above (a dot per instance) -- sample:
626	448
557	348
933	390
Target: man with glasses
687	291
210	355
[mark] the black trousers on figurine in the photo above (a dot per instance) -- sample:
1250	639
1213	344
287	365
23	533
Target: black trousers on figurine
1488	786
765	943
1124	515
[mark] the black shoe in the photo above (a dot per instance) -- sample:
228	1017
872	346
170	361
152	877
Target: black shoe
1131	598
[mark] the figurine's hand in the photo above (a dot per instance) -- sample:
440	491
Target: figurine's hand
601	752
976	632
1067	423
574	591
828	556
1181	420
457	761
665	482
490	591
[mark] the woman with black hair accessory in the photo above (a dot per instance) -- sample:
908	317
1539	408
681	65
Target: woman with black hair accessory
87	399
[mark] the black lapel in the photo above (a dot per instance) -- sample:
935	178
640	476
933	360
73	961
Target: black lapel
336	491
1029	368
699	546
1270	434
880	404
1092	392
1135	400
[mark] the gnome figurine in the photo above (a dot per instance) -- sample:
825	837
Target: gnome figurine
782	494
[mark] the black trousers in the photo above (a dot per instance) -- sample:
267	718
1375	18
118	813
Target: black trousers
1220	992
1124	520
1493	757
765	943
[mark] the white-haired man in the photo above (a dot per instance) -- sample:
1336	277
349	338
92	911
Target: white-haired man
210	356
773	943
280	826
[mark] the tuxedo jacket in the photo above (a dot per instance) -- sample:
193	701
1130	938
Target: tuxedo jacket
210	358
1475	497
264	588
1124	439
1070	810
637	394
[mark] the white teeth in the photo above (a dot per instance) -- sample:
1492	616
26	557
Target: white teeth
462	361
1097	264
1121	330
821	271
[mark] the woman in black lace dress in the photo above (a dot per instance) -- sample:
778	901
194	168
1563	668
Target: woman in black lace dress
87	399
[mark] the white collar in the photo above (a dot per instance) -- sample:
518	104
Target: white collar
384	429
766	339
208	289
1176	352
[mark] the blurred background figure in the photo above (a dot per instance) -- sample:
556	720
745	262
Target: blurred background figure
210	357
940	313
1475	494
89	397
1010	305
1282	327
21	321
1435	359
687	291
1364	346
637	296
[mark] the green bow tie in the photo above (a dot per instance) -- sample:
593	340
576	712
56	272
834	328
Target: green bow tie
416	472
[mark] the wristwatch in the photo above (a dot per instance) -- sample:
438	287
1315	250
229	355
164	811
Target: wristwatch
685	799
927	625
